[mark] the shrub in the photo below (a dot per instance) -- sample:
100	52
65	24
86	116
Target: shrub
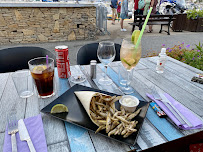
194	14
192	57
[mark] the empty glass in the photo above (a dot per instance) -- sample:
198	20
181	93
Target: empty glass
106	53
23	82
123	76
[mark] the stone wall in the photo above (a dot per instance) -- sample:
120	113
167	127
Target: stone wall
35	25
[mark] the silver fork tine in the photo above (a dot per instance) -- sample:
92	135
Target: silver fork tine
12	129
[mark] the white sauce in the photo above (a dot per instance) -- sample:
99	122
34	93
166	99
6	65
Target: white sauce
129	102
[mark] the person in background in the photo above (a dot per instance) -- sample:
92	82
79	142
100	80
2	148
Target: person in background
119	10
153	4
114	6
124	13
136	10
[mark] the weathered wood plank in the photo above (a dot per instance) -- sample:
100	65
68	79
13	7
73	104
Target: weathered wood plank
150	136
59	147
143	145
177	92
54	130
3	81
167	129
176	79
79	138
2	134
102	144
32	107
183	70
195	70
10	100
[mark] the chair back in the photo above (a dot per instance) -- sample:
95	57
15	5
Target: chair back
16	58
88	52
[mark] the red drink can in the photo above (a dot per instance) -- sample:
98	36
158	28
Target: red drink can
62	61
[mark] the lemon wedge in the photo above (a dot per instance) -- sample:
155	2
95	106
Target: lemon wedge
39	68
135	36
59	108
128	61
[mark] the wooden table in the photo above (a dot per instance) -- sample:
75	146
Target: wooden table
155	131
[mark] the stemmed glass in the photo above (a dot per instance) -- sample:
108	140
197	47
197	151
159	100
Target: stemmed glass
129	56
106	54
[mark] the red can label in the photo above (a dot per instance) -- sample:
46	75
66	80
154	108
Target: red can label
62	61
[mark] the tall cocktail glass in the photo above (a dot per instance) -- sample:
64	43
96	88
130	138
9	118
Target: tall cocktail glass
129	56
42	71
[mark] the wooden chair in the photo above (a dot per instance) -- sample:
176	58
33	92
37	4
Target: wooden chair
16	58
88	52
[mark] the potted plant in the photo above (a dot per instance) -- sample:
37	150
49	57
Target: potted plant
194	21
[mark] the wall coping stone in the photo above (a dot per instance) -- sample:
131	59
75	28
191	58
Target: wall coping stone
48	4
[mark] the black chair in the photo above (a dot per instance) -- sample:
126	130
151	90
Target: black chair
88	52
16	58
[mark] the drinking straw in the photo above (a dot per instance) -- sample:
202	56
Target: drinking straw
143	28
47	60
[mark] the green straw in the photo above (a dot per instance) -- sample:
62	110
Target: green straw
143	28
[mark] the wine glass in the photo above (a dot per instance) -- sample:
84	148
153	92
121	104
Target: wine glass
106	54
130	56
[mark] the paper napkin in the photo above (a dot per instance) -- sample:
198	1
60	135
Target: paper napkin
191	117
35	129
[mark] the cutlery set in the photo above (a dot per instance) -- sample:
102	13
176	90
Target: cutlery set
15	126
161	97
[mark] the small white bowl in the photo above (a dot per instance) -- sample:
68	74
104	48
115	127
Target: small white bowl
129	107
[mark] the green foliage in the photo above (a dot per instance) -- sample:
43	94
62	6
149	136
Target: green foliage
194	14
192	57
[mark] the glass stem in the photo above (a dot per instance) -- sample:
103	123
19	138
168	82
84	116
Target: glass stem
106	66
